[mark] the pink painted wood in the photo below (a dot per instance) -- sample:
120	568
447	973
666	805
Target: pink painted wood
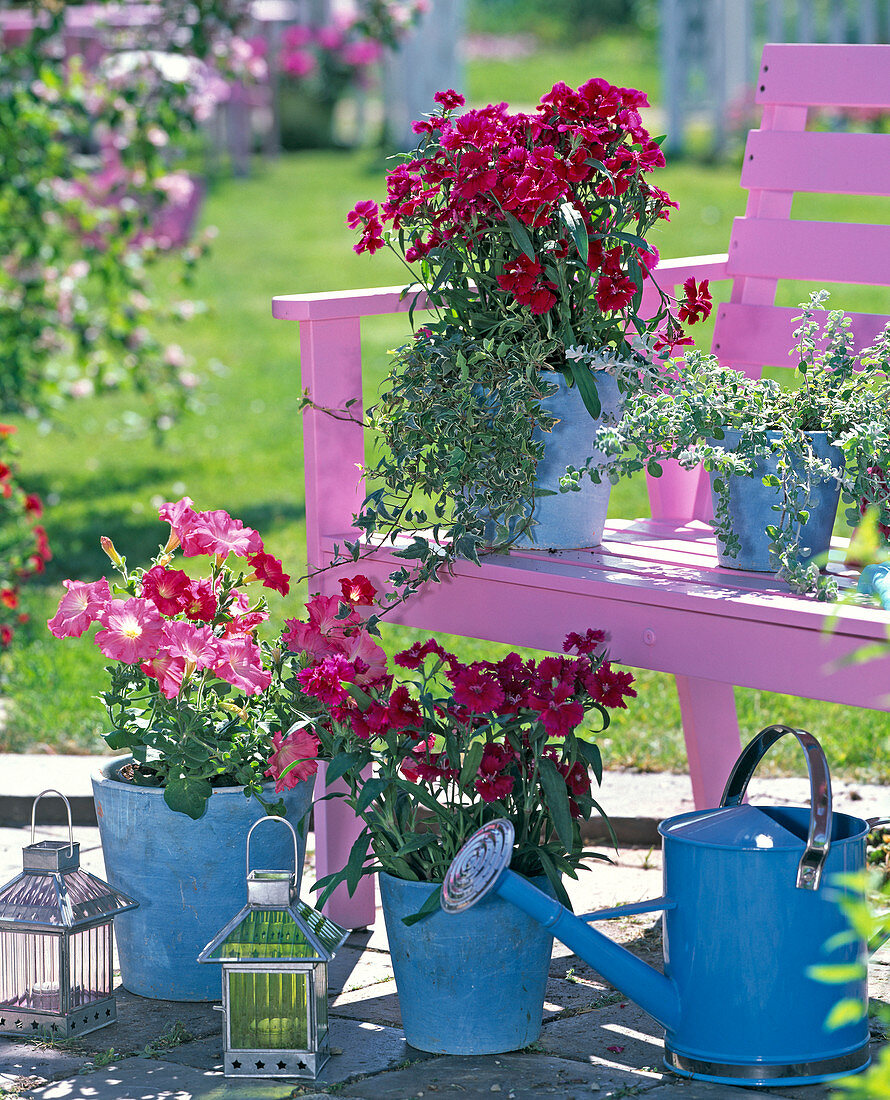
655	583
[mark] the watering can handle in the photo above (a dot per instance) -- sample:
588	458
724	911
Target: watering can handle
809	870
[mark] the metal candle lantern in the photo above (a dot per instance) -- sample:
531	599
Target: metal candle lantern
56	942
275	956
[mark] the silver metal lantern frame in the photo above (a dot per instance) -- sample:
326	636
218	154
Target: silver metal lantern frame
57	941
249	946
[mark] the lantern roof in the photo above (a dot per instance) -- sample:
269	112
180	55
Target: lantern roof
56	900
274	934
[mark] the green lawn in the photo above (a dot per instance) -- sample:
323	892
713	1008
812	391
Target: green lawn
282	231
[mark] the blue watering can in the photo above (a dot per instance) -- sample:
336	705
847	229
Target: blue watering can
750	904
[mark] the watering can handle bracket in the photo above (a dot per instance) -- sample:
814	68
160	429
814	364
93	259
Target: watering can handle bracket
809	870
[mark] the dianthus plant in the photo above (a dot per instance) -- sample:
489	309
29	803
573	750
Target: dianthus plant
532	228
193	695
453	745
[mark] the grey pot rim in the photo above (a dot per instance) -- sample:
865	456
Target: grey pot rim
105	774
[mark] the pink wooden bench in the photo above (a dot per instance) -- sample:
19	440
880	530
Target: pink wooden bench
654	582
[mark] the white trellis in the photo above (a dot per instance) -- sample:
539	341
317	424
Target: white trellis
710	50
427	61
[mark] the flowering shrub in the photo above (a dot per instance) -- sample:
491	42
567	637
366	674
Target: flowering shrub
87	148
533	227
453	745
193	694
24	548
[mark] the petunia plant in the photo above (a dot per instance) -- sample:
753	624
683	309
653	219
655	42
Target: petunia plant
452	745
193	694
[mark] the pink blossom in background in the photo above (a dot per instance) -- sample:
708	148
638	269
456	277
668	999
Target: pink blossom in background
241	665
362	54
296	36
79	608
298	63
133	630
330	38
299	749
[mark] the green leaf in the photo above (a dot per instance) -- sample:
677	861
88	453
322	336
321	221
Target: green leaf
837	973
355	865
520	235
587	389
557	796
417	842
118	739
372	789
845	1012
340	765
471	763
188	795
430	906
573	221
593	757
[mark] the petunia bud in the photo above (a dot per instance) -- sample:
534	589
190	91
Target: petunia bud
109	548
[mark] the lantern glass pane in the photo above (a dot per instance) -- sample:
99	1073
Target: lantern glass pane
266	934
268	1011
29	971
90	975
321	999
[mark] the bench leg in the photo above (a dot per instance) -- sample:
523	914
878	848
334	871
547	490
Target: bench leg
336	828
712	736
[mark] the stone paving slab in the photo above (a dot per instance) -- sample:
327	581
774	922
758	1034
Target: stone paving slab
148	1079
358	1049
493	1077
19	1060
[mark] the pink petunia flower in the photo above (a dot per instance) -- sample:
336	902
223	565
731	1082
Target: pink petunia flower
169	672
357	591
240	664
166	588
196	645
294	759
362	650
218	535
133	630
79	608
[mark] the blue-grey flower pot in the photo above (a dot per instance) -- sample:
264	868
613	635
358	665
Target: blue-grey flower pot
189	877
750	504
469	983
573	520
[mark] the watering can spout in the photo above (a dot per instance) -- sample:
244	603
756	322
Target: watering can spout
481	868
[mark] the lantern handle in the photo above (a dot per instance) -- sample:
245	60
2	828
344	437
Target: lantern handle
809	871
282	821
52	790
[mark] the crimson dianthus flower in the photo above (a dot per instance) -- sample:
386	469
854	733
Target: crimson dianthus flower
476	690
402	710
324	681
494	788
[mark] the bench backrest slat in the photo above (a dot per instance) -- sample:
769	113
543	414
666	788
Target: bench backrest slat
817	162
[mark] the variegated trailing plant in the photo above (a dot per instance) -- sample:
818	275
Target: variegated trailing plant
838	390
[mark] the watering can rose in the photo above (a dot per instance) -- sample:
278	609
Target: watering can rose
193	693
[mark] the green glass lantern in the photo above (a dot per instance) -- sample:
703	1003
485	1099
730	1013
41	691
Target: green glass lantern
274	957
57	942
